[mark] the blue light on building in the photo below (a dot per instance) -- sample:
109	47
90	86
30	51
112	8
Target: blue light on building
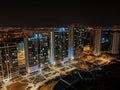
61	30
71	53
36	36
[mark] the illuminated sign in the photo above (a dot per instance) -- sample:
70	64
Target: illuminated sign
33	69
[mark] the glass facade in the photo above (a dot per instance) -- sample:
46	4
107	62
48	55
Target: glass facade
38	47
9	59
61	37
81	38
105	40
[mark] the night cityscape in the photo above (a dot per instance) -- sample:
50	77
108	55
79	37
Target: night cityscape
59	46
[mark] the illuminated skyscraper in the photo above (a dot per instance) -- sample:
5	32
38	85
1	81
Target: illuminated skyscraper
97	42
115	42
21	58
10	39
71	44
106	39
52	48
78	37
9	59
61	36
36	49
110	40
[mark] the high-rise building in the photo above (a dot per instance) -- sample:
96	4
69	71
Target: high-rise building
9	39
61	38
106	39
79	37
115	42
97	41
71	44
21	58
52	48
9	59
36	49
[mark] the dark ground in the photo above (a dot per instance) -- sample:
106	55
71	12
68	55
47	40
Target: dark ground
106	79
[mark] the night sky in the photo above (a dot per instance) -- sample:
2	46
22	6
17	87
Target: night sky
28	13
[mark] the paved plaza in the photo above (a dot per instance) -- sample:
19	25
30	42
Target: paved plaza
17	86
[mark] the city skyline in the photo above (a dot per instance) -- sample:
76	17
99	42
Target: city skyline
38	14
40	55
59	45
